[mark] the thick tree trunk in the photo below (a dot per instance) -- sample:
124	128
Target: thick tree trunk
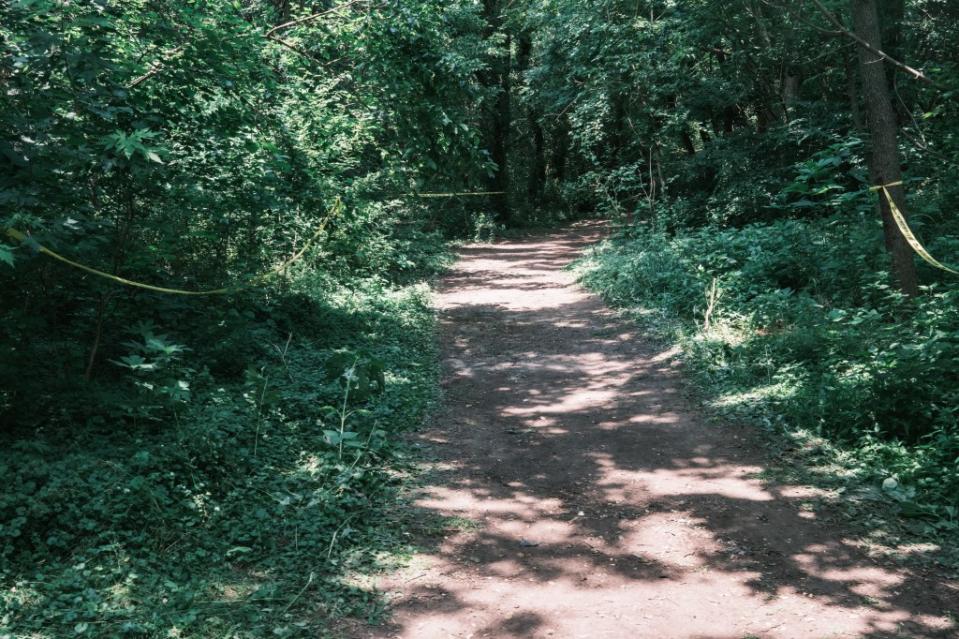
497	78
791	83
891	16
537	167
536	176
883	132
618	134
557	162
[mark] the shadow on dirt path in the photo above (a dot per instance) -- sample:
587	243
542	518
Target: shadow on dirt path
604	506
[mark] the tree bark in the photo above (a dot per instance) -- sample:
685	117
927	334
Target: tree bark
791	84
536	183
497	78
557	161
536	176
885	164
688	142
618	135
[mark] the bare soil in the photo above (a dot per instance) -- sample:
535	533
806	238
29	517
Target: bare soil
603	504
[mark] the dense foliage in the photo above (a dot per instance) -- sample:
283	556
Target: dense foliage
214	466
217	466
747	227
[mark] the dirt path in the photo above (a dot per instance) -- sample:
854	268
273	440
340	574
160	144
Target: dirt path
604	506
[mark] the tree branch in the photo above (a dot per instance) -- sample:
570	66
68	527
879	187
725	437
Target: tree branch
796	16
156	67
292	47
315	16
836	22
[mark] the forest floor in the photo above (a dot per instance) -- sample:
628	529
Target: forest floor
588	497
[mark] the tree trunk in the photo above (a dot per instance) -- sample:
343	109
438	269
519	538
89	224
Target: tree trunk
537	167
536	176
282	10
704	136
618	135
892	13
791	84
497	78
883	132
688	142
557	161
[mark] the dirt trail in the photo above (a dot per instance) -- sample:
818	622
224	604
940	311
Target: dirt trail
604	505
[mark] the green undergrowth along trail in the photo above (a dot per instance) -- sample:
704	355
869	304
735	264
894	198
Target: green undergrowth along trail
243	512
222	466
794	325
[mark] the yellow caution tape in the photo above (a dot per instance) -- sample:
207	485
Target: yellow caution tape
337	207
466	193
906	231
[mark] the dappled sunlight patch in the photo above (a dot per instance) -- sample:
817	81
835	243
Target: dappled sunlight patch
233	591
458	368
668	418
541	422
575	400
727	481
729	333
665	537
311	465
759	394
455	499
667	355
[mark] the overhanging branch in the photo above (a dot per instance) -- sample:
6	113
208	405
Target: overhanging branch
836	22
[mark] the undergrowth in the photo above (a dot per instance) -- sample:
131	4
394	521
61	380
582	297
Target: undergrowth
240	499
793	324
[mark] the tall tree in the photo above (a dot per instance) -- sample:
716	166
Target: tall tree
496	78
536	176
885	163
